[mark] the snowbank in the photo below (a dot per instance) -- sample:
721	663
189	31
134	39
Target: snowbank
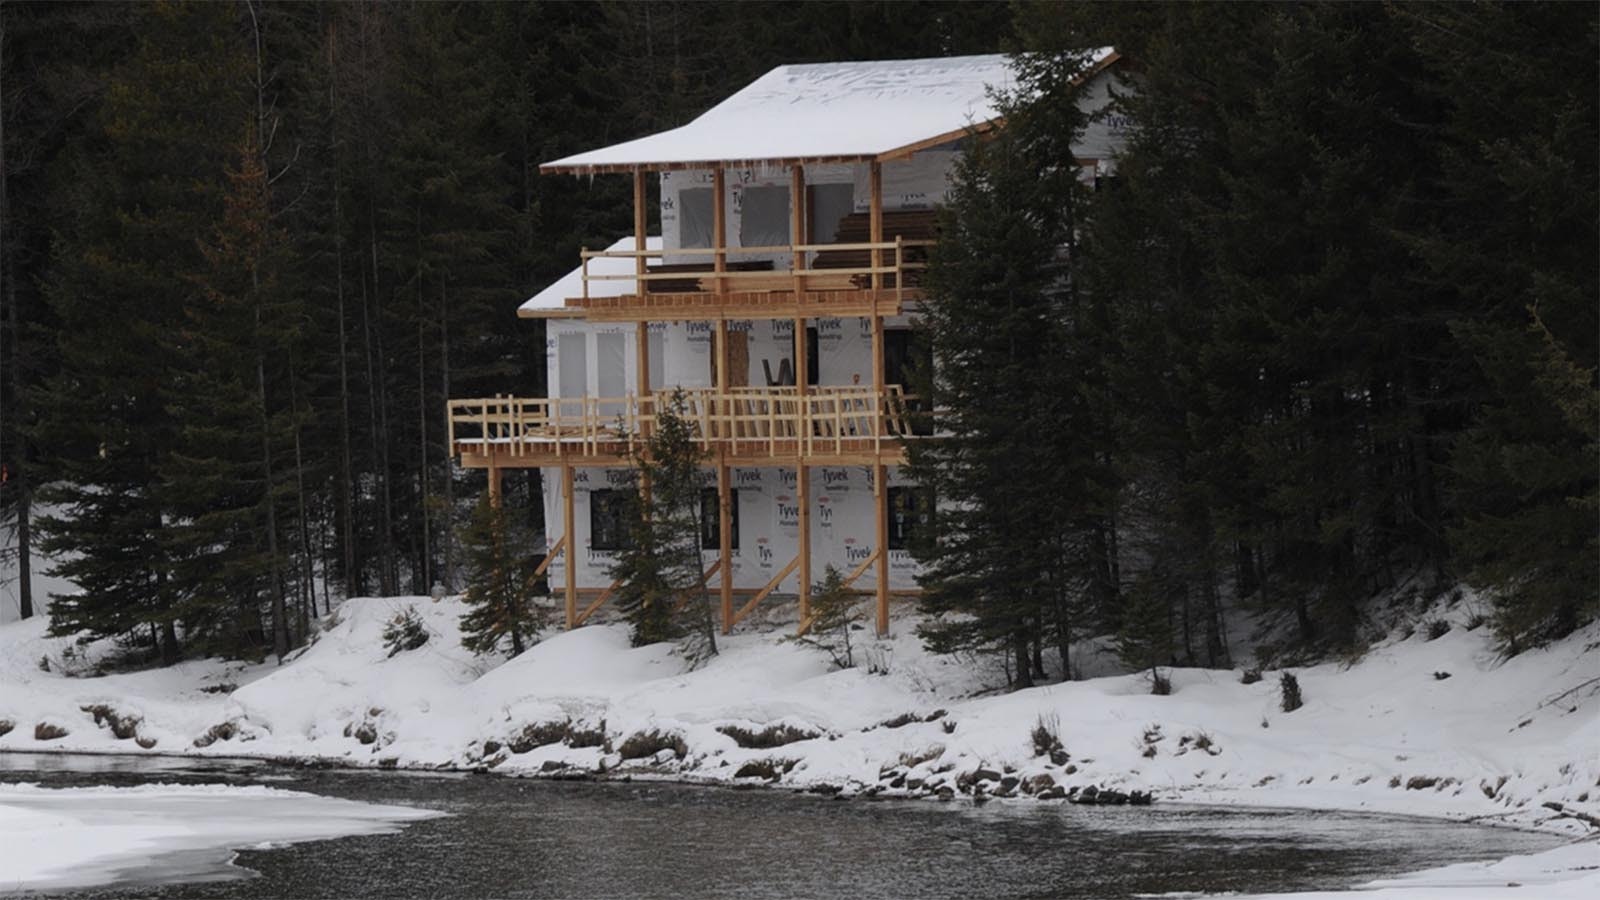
1437	727
74	837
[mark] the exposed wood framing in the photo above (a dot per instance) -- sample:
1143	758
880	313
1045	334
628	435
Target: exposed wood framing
762	594
598	602
802	484
705	579
550	556
880	488
568	527
875	211
719	226
494	484
725	551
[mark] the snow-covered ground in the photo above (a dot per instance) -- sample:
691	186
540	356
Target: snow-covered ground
75	837
1439	727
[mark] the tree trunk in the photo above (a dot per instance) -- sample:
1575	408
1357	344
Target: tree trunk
448	536
1019	653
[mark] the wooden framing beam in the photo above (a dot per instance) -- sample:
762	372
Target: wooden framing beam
494	484
875	219
802	484
764	592
725	550
567	525
719	226
705	578
880	489
861	569
598	602
550	557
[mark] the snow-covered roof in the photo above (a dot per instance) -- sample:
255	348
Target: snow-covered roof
826	112
552	301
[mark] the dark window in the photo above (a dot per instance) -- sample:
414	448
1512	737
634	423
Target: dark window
695	218
764	217
609	520
711	519
829	206
910	515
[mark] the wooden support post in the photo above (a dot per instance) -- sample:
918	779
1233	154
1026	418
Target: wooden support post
802	483
875	221
797	227
719	225
880	488
643	400
639	216
877	372
495	479
725	550
567	524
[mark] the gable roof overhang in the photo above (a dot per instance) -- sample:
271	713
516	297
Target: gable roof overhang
828	113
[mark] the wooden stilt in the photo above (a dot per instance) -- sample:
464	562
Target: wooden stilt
719	226
567	523
880	489
875	220
802	484
495	479
725	550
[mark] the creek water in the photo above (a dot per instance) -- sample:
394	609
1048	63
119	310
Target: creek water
509	837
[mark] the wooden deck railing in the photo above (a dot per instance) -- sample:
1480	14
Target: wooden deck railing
903	260
779	419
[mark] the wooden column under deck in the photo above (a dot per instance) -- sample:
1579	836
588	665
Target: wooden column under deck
640	243
802	487
880	499
494	485
725	544
880	479
567	522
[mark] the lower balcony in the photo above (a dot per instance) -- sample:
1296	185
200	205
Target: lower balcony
742	426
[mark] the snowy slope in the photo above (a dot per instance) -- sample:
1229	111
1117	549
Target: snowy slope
1492	740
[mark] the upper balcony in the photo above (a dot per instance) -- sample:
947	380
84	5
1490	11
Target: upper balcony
749	426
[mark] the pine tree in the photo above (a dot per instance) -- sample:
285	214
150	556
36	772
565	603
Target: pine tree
140	201
835	612
662	588
500	582
1014	491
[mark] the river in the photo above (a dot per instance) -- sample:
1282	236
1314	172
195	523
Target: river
509	837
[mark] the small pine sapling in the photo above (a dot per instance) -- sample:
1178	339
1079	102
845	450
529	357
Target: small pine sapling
835	610
404	632
1290	688
500	582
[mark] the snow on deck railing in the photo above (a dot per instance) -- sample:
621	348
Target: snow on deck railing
823	419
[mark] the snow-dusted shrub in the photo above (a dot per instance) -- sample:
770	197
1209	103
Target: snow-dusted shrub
6	726
1250	676
1160	683
1289	687
768	737
1437	628
45	731
1046	734
648	743
222	732
404	632
123	727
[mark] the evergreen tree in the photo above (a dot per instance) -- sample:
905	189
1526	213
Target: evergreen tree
500	583
139	200
662	586
835	612
1015	492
